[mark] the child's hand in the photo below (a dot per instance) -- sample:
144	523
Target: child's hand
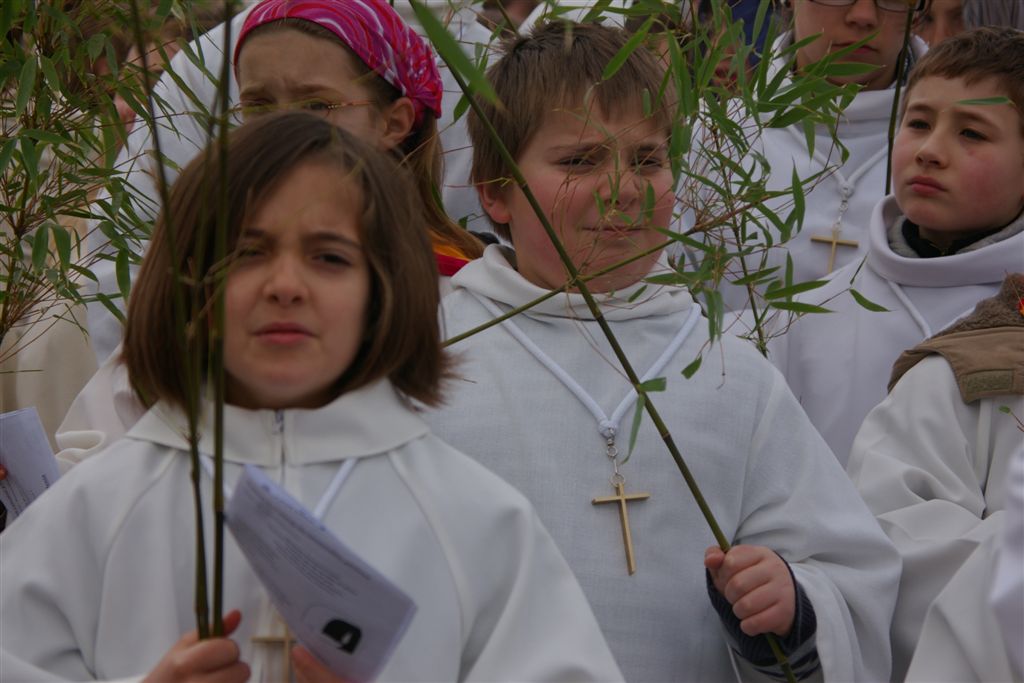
309	670
757	584
214	660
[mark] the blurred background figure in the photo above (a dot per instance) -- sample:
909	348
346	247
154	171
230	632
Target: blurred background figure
714	18
942	19
161	46
490	12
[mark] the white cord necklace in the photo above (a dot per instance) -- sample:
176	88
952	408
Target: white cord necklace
607	426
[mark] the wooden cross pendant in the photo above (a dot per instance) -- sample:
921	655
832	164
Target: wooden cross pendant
835	242
285	641
622	499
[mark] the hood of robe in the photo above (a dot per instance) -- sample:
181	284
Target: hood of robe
493	276
987	264
348	427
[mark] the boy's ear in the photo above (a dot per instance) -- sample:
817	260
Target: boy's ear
399	117
492	199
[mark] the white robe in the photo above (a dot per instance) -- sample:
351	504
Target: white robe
1007	595
767	475
863	130
98	573
182	136
838	364
50	361
933	470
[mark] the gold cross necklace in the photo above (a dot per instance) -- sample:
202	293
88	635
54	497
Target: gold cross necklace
622	499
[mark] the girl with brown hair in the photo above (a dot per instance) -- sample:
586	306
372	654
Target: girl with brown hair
330	307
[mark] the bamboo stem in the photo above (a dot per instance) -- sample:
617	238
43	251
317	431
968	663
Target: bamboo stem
201	600
216	338
901	64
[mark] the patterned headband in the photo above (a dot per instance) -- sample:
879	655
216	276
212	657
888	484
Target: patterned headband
375	32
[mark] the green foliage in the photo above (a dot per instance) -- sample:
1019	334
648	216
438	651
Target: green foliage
60	133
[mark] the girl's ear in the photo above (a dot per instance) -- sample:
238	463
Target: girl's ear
492	199
399	117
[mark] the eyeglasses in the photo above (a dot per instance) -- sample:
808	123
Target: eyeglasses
318	107
887	5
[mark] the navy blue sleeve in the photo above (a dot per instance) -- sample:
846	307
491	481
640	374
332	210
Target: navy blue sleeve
799	646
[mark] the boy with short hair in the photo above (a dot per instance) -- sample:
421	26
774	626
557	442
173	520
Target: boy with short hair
944	240
546	406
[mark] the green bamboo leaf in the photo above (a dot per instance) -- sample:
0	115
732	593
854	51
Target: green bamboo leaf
715	311
787	118
26	84
44	136
50	73
5	154
451	53
1005	410
634	428
616	62
809	136
867	303
654	385
637	294
40	247
798	307
597	12
798	198
83	271
62	240
109	304
986	101
124	280
757	277
793	290
691	369
8	10
94	46
460	108
664	279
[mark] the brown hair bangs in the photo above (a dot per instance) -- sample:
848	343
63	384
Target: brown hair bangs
560	65
976	55
402	336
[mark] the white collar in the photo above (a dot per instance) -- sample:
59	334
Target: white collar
988	264
493	276
360	423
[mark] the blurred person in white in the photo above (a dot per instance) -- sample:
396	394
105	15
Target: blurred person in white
943	19
932	463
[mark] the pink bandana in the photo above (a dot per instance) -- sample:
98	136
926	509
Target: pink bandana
375	32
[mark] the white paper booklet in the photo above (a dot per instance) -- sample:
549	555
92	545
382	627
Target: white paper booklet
26	455
335	604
